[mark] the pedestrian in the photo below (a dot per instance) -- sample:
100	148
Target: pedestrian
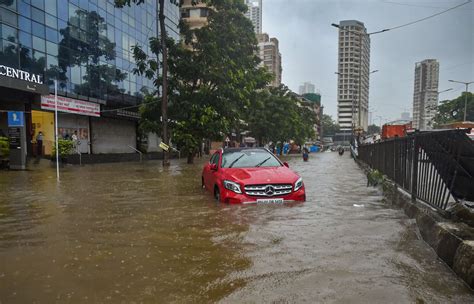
75	140
39	144
341	151
305	154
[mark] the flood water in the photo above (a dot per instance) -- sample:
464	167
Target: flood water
133	233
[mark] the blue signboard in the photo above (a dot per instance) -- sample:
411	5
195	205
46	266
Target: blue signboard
15	119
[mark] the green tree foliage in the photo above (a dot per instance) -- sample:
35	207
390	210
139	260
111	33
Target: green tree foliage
276	115
330	127
211	79
373	129
453	110
4	147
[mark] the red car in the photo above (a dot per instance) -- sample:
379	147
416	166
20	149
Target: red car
251	175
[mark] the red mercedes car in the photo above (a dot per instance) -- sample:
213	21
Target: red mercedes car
251	175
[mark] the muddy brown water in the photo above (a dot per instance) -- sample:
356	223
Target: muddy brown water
135	233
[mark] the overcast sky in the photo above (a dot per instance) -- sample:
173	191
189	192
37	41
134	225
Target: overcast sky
308	44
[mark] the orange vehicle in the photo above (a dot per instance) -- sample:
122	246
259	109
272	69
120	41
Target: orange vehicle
397	128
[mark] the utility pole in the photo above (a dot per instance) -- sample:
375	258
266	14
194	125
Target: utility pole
164	93
465	95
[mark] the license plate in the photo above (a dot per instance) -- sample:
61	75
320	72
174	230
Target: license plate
270	201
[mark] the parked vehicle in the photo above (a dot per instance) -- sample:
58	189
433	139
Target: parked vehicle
251	175
396	129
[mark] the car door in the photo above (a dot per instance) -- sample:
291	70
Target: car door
214	174
209	175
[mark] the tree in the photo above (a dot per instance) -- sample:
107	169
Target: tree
164	71
329	126
211	79
373	129
276	115
449	111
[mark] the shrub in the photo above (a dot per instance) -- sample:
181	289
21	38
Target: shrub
65	147
4	147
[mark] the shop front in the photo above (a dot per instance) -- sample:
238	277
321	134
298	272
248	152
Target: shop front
73	119
19	90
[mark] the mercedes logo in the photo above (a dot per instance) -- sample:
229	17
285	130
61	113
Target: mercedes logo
269	191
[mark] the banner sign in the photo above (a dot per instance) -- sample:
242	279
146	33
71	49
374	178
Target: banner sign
70	105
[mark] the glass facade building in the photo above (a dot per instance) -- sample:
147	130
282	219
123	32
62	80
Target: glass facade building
86	46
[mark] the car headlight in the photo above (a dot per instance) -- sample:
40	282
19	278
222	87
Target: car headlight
298	184
232	186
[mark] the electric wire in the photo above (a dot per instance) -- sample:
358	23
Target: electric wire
428	17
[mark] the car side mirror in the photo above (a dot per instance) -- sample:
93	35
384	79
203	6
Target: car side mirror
213	167
286	164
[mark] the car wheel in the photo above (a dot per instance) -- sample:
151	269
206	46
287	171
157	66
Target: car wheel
217	194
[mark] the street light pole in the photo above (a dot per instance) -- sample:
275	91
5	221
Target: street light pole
465	96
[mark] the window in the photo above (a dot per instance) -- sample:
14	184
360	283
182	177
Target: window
214	159
37	15
51	35
25	24
25	39
39	44
51	48
51	21
8	33
8	17
24	9
38	30
50	7
38	3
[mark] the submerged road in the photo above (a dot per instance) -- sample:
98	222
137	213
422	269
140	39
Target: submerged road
131	232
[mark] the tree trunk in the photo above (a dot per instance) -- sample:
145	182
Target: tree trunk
190	158
164	100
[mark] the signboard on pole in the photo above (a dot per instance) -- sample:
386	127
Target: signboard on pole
70	105
164	146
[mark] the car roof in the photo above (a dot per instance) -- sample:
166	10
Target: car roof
239	149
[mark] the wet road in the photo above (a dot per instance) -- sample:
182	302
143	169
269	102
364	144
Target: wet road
132	233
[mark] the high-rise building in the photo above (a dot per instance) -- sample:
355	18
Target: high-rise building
86	47
425	95
353	75
270	55
306	87
254	13
405	116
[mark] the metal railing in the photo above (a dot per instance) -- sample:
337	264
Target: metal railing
435	167
138	151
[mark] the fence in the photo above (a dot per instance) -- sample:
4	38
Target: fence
435	167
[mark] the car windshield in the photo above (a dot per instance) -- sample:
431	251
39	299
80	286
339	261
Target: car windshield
248	159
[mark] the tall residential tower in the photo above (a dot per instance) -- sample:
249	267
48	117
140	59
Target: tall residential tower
254	13
353	79
306	87
270	55
425	95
